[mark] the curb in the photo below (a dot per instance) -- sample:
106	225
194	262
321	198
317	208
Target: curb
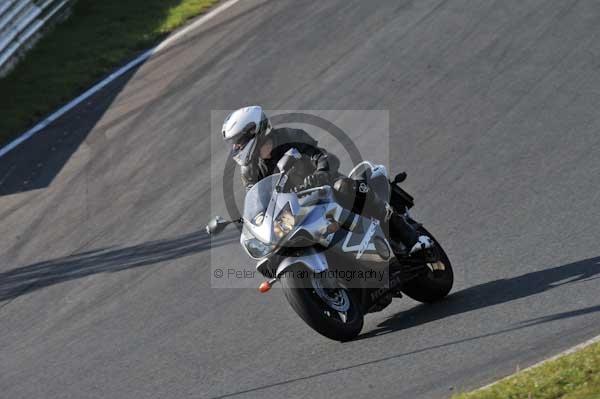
569	351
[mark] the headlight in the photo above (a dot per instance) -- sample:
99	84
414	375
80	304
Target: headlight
284	222
258	219
257	249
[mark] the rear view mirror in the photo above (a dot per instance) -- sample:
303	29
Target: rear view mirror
400	177
216	225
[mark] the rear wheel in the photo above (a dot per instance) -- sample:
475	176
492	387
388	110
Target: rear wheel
437	282
323	304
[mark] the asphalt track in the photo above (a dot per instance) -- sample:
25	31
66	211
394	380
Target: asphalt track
105	274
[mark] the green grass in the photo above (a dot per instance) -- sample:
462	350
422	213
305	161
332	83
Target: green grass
98	37
575	376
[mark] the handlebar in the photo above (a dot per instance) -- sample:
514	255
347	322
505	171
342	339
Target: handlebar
299	188
302	189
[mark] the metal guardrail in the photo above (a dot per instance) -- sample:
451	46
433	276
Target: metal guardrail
21	21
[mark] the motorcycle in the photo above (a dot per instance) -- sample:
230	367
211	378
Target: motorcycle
335	265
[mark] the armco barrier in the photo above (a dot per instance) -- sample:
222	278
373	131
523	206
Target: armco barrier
21	22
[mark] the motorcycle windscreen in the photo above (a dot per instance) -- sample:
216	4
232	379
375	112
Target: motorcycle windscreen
262	205
257	200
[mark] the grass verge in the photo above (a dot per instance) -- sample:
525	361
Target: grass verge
574	376
98	37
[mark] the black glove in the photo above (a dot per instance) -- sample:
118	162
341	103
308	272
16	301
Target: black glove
316	179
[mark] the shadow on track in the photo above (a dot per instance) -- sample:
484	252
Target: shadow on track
23	280
35	164
490	294
476	297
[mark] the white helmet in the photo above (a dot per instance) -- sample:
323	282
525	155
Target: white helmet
243	130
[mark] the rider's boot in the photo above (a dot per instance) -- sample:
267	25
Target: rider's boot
424	242
407	234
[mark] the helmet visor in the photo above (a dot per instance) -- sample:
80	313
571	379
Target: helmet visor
242	153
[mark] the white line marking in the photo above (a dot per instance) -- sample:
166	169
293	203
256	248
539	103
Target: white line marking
99	86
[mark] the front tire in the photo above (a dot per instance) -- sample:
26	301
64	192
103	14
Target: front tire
437	283
331	311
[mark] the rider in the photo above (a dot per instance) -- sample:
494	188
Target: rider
256	146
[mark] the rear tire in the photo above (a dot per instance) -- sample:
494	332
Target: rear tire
305	296
436	284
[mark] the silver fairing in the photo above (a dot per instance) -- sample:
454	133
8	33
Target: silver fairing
313	211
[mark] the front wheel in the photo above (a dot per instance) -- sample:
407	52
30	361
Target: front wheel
437	282
323	304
